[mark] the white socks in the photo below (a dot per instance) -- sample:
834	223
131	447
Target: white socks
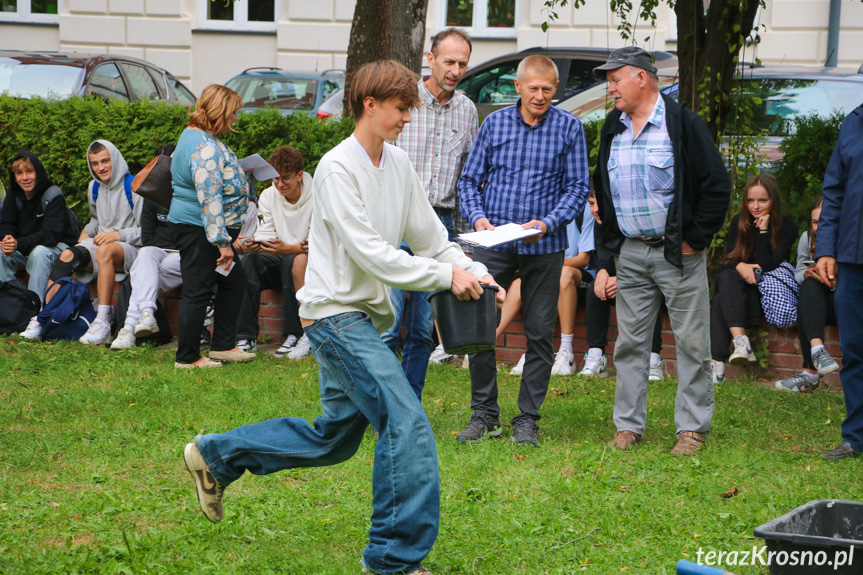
566	342
104	314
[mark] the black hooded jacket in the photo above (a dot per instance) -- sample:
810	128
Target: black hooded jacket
29	225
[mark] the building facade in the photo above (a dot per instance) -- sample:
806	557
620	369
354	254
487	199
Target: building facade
206	41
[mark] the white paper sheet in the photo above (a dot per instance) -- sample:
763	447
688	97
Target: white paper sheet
262	169
499	235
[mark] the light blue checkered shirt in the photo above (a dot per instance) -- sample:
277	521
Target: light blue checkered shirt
641	175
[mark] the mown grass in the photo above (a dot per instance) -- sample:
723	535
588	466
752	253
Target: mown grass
92	480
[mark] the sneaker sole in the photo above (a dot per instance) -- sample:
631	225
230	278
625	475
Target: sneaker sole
145	332
496	433
187	455
529	442
740	359
831	369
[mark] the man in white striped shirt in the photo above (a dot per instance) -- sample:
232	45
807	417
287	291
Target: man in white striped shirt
437	141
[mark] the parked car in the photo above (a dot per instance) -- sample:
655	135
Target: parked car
290	92
778	95
58	75
333	105
490	84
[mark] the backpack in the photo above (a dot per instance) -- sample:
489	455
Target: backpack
69	313
17	306
122	307
47	197
127	186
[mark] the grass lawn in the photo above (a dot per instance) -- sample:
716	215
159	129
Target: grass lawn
92	478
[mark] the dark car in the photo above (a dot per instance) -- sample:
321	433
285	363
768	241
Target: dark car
490	84
56	75
290	92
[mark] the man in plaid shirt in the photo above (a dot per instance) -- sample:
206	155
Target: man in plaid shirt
528	166
662	191
437	140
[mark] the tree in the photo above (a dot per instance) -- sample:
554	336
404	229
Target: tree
386	29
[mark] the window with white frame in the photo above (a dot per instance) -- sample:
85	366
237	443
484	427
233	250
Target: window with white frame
241	15
482	18
30	10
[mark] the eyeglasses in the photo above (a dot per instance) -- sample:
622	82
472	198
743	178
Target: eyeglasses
287	180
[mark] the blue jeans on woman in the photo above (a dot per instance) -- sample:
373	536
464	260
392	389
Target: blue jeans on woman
360	382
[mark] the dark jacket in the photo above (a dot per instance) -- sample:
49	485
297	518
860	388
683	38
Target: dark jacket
840	227
702	188
29	226
766	258
156	230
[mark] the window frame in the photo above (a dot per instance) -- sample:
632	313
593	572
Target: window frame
241	22
480	14
25	15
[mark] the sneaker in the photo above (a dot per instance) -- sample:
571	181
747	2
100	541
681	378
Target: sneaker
302	349
231	356
247	345
718	370
439	356
208	318
742	352
420	571
478	427
524	431
797	382
206	363
147	326
205	337
289	344
519	367
823	362
595	367
625	439
657	372
208	489
97	333
33	331
842	451
564	362
688	443
125	340
465	363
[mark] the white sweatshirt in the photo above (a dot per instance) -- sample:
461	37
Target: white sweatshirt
283	220
360	216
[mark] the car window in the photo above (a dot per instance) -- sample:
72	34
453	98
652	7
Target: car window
142	83
159	80
42	80
494	85
106	81
288	93
580	76
183	93
330	88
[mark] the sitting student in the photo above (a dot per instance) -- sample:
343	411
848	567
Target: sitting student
34	226
814	310
109	243
601	295
759	238
277	254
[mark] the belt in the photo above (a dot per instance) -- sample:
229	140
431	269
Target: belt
656	242
442	211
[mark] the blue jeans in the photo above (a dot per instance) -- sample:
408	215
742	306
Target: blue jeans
37	263
848	300
360	382
419	324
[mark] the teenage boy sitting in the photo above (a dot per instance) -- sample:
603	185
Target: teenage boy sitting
276	256
109	243
367	200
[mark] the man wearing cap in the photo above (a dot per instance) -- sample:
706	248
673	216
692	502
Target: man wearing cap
662	191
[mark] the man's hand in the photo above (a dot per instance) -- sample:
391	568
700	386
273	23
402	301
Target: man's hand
600	285
105	238
304	245
747	272
686	249
812	273
8	245
826	268
465	286
84	235
500	296
277	246
611	287
483	224
536	225
239	245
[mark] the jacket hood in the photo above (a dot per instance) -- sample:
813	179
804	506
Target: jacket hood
42	180
119	167
305	193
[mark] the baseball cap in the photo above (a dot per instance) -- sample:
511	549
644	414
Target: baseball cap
628	56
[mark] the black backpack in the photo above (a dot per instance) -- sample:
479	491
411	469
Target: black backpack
47	197
17	306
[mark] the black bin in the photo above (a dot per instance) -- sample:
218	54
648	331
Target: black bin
824	536
465	326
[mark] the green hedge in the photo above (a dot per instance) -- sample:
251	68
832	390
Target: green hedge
60	131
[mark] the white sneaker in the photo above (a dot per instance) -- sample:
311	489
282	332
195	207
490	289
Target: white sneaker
285	348
718	369
34	329
98	333
742	352
247	345
125	340
465	364
563	363
519	367
147	326
595	367
301	350
208	318
439	356
657	372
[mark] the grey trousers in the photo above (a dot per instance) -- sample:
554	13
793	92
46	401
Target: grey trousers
643	278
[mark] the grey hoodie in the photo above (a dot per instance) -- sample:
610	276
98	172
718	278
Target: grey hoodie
110	212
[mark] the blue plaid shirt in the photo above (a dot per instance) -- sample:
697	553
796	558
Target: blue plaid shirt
516	173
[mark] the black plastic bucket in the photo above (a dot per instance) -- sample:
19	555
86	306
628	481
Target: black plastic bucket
465	326
822	536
